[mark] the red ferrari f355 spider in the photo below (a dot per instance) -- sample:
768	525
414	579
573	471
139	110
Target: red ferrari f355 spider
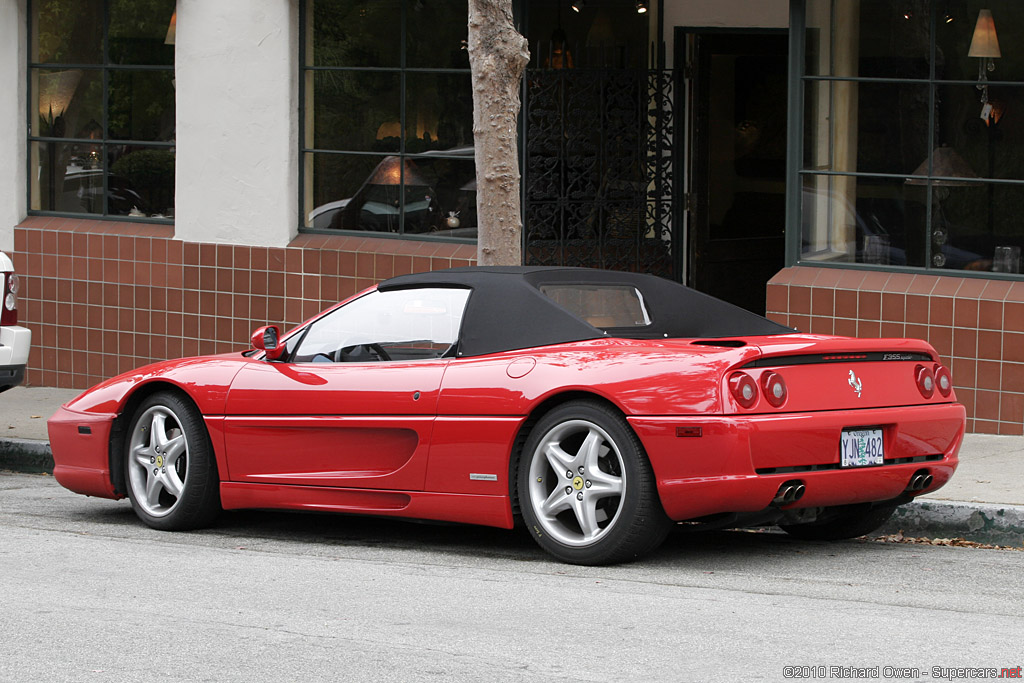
598	407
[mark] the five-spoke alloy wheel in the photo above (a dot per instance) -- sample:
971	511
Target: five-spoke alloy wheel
169	464
586	489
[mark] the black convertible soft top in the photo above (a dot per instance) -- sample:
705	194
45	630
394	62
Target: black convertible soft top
507	309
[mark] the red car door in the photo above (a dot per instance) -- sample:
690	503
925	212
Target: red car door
358	425
355	404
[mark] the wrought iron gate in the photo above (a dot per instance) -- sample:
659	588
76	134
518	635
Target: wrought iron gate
598	187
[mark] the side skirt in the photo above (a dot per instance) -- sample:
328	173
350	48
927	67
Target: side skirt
444	507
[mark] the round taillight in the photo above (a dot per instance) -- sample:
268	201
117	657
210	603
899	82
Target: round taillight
774	388
743	389
925	381
943	380
9	302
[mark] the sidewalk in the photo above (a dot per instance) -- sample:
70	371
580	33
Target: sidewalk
984	502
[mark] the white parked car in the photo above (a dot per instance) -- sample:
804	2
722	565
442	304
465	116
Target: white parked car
14	340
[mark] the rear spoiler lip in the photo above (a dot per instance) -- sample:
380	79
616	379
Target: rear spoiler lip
840	357
818	349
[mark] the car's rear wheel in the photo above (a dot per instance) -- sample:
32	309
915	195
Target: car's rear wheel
169	465
586	489
851	522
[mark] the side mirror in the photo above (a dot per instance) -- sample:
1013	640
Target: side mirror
268	340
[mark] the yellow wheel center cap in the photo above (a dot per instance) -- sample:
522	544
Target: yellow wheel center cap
159	461
577	483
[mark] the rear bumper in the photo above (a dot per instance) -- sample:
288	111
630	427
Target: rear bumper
81	452
15	343
11	376
738	463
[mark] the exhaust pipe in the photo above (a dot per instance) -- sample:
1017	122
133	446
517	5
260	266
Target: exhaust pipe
789	492
920	481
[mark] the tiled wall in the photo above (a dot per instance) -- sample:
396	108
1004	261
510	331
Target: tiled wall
104	297
976	325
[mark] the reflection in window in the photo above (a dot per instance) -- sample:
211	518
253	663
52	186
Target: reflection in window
101	133
399	325
876	221
432	194
388	132
925	169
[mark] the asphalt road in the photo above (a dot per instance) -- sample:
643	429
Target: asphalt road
89	594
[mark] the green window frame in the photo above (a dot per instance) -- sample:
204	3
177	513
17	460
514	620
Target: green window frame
891	166
386	145
101	119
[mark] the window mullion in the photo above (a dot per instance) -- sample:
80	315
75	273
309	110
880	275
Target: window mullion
403	121
105	106
933	140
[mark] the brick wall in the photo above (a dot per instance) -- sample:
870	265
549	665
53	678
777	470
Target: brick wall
976	325
103	297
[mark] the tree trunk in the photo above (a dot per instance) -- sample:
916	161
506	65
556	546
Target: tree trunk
497	56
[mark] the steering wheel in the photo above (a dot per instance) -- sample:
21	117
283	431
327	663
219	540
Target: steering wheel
361	353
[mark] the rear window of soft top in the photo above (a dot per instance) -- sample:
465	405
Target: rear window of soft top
603	306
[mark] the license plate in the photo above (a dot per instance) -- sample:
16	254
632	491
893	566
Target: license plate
861	448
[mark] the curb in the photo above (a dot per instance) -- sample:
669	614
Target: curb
989	523
26	455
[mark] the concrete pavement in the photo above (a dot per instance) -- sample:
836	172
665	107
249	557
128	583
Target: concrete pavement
89	594
984	502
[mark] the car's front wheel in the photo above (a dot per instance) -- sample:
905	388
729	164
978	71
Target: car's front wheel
849	522
169	465
586	489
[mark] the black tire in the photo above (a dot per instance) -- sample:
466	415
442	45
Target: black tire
169	467
851	522
601	505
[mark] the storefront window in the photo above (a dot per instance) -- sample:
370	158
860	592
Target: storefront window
596	35
101	120
388	118
913	145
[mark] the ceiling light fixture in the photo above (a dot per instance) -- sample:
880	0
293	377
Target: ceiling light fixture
578	5
641	7
985	46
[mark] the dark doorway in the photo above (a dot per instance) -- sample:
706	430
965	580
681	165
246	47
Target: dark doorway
737	164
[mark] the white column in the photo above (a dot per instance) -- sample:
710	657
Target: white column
236	80
13	134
